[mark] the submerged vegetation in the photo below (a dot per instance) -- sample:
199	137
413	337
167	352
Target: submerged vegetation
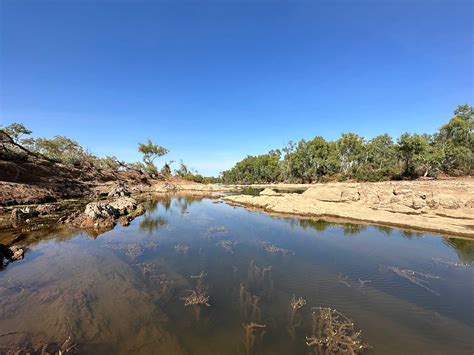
334	333
449	151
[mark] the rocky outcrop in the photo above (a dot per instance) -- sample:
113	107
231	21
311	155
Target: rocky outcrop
441	206
119	191
104	215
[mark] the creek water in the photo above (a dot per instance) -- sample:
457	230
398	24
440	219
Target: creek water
122	291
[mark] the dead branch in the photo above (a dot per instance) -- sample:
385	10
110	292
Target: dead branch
334	333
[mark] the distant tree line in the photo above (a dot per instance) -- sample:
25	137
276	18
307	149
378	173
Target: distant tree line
15	145
449	151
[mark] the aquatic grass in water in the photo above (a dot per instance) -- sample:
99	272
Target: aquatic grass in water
192	276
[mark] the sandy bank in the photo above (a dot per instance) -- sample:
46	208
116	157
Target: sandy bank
440	206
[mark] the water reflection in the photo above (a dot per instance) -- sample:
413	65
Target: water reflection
464	249
192	276
149	224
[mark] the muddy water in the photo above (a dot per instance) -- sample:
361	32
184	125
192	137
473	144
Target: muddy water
121	292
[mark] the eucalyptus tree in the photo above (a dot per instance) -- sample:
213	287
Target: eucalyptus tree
150	152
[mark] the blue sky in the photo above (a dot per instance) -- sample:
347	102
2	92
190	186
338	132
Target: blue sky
214	81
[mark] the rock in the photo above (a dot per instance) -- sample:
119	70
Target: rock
104	215
47	209
17	253
12	253
324	193
98	210
469	203
401	208
269	192
124	205
119	191
371	198
350	195
448	202
401	191
432	202
418	203
124	221
444	201
170	187
20	215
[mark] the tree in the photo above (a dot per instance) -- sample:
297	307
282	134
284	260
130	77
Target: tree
150	152
166	169
109	162
456	141
410	149
183	170
351	149
379	160
60	148
252	169
450	150
16	131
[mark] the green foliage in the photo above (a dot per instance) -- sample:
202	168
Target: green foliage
410	149
166	170
137	165
380	159
59	148
450	151
192	175
351	152
456	140
108	162
150	152
183	170
16	131
201	179
262	168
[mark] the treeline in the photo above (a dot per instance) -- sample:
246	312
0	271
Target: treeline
449	151
16	144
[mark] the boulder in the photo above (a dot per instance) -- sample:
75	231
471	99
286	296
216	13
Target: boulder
104	215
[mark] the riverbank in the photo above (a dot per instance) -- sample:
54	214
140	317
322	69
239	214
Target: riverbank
440	206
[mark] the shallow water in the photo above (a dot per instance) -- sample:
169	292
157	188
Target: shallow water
121	292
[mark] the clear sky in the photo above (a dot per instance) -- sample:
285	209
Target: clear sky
214	81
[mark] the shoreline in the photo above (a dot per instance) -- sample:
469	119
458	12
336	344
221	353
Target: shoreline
443	207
